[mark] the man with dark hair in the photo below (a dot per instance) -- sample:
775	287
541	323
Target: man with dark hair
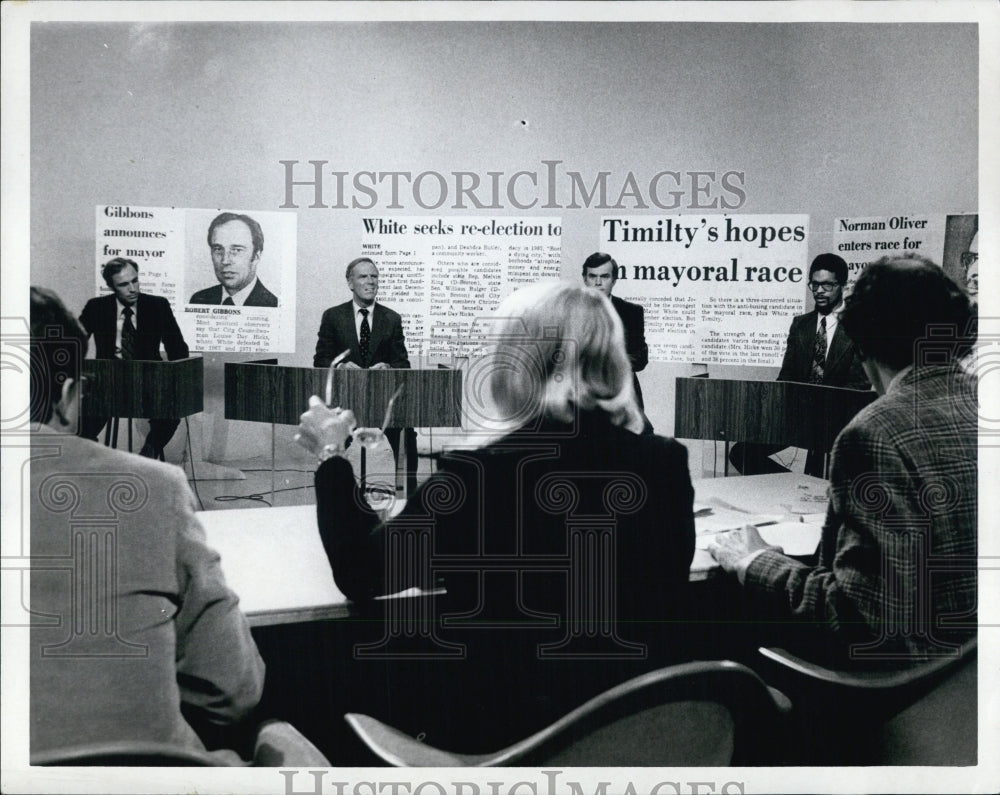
896	577
818	351
601	272
164	649
236	242
373	334
970	269
128	324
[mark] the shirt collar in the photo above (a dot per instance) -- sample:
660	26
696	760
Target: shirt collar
833	318
358	307
898	377
240	298
122	308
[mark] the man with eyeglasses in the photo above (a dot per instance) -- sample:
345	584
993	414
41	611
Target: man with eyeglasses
236	243
818	351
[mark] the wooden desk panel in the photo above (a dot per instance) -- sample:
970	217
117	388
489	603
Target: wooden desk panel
768	412
268	393
143	389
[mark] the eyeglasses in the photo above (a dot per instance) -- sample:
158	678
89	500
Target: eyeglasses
824	287
969	257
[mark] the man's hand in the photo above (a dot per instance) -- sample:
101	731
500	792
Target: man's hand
323	431
380	366
349	366
735	549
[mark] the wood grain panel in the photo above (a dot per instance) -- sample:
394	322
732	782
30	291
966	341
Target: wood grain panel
144	389
770	412
268	393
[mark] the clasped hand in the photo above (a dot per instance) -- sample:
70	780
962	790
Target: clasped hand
324	431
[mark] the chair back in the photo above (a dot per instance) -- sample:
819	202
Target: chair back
871	716
126	753
694	714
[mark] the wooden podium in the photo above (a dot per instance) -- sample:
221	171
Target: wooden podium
145	390
259	392
767	412
139	389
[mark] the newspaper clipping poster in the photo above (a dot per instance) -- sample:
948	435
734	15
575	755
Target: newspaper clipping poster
229	275
718	289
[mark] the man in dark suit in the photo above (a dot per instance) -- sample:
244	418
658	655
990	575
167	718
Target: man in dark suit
130	325
818	351
236	242
601	271
374	335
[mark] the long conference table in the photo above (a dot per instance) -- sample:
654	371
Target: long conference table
395	658
275	562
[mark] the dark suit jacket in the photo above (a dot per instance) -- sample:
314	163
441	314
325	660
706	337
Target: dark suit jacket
155	324
337	333
843	362
522	498
633	320
259	296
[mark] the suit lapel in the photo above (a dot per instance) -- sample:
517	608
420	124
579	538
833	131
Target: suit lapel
838	347
378	331
807	335
111	318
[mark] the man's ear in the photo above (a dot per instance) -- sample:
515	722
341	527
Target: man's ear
67	410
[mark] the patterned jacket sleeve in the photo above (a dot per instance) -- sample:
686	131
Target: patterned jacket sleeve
846	591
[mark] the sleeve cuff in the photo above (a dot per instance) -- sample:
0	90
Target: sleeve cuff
744	564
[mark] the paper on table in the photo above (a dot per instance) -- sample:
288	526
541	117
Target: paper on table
722	519
810	498
795	538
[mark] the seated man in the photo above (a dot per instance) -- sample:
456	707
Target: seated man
129	324
373	334
818	351
135	635
896	577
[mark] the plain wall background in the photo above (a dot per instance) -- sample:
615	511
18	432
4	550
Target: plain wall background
824	119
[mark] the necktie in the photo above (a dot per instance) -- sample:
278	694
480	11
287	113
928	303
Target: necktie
228	301
128	334
365	336
819	353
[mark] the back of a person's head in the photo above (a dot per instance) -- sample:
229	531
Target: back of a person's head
57	348
905	310
560	348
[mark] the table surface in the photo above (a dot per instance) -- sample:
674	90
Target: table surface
275	562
